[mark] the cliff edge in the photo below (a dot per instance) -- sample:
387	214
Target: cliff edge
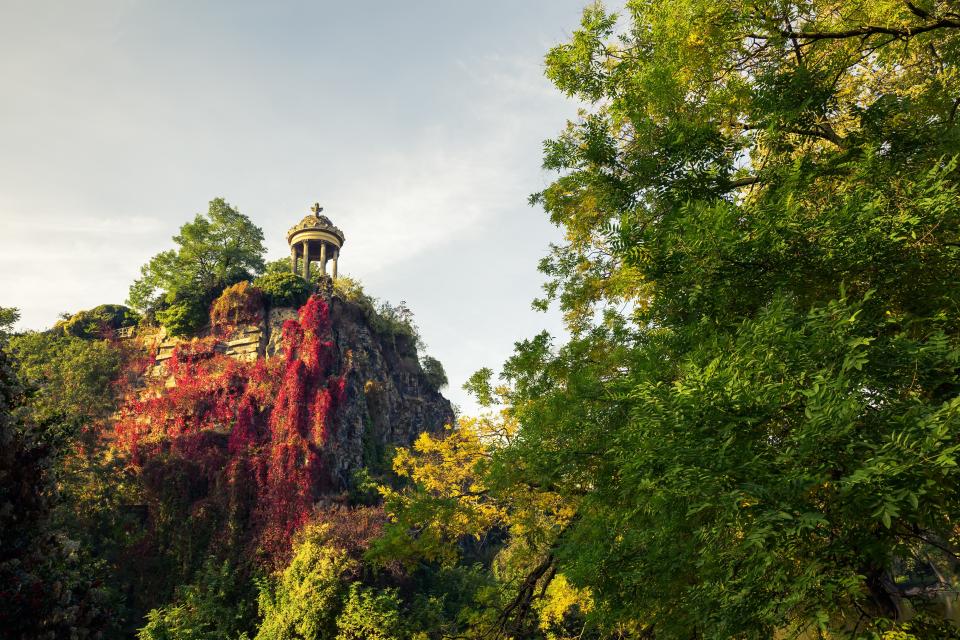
387	398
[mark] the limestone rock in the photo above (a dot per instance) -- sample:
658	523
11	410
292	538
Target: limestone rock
389	401
275	320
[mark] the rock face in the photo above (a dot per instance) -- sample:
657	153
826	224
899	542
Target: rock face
389	401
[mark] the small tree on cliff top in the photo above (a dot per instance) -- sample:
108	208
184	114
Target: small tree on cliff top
215	250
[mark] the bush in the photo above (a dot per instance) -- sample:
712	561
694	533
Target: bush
352	291
218	605
183	317
97	322
434	372
283	288
303	600
239	304
384	318
369	615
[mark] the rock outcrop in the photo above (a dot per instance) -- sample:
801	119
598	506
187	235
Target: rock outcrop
388	398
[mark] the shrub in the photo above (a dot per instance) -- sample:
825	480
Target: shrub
239	304
350	289
302	602
97	322
183	317
369	615
283	288
385	318
217	605
434	372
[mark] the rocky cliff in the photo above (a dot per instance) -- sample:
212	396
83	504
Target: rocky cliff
388	400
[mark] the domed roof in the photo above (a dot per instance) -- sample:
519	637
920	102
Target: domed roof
315	221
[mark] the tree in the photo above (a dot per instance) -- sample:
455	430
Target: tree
69	392
303	603
433	370
459	513
52	586
757	411
8	318
215	250
448	499
68	380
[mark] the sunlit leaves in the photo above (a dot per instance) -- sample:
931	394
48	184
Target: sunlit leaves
756	411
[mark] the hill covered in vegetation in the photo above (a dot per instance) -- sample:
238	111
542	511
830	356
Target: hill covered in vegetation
751	432
166	451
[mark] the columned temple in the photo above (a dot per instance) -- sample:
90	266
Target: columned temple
315	239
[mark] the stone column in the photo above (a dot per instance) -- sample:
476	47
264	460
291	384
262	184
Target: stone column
306	259
323	258
336	254
293	258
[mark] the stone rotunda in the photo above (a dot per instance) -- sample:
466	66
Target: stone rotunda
314	239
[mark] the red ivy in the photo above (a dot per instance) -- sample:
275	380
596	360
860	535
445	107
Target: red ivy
256	430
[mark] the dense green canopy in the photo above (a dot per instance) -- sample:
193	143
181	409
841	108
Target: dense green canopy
758	411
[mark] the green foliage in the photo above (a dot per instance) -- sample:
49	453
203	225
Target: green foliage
330	591
480	386
281	265
433	370
387	319
486	547
363	487
68	380
444	602
369	614
752	431
53	587
217	606
8	318
183	316
283	288
303	603
99	322
756	415
217	249
396	320
352	290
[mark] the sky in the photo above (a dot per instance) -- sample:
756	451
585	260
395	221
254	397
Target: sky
418	126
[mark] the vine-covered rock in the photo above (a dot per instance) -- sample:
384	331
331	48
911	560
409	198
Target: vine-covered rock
262	417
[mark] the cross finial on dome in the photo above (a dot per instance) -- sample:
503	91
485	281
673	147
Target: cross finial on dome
316	208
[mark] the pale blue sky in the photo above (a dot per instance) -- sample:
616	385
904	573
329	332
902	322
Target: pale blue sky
417	125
